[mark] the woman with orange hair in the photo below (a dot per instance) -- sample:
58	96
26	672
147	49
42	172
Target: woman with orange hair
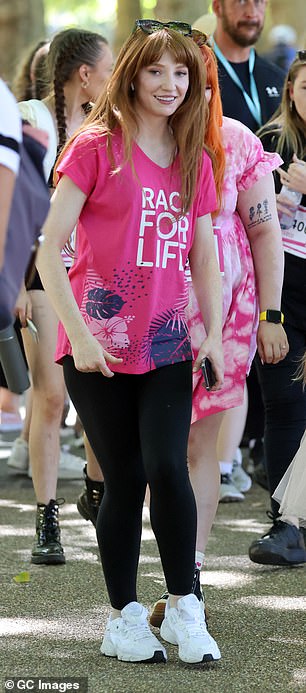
251	263
251	259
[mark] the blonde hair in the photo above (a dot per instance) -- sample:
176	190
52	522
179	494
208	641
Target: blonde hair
293	127
115	107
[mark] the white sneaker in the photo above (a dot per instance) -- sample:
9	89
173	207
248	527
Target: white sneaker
130	639
228	491
19	456
70	466
9	421
185	626
241	479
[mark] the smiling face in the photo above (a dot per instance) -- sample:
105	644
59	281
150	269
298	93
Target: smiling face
161	88
242	20
297	92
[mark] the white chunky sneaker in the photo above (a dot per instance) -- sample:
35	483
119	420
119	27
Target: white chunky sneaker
229	493
185	626
130	639
70	466
241	479
18	460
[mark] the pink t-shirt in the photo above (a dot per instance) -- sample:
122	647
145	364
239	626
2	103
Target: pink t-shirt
128	275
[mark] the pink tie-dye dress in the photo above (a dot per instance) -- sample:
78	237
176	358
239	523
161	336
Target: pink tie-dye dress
246	163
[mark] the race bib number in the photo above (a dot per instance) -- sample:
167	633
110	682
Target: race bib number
294	239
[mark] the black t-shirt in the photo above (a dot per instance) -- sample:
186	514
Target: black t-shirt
294	286
269	81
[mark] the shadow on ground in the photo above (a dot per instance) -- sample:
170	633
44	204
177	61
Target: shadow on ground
52	625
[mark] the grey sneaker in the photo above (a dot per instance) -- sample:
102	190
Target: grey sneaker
18	460
70	466
229	493
241	479
283	544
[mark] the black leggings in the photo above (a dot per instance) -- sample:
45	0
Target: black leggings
138	427
285	409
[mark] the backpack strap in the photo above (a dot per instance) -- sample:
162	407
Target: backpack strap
9	143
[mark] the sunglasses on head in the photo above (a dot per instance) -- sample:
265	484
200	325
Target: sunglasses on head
199	38
301	55
149	26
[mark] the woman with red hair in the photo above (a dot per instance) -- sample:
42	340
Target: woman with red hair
251	262
251	259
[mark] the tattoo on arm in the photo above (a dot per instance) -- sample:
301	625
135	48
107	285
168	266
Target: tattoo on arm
259	214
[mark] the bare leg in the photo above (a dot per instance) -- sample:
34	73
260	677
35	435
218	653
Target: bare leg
204	473
93	468
231	431
9	401
48	399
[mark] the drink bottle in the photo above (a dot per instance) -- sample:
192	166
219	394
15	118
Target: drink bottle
12	361
285	220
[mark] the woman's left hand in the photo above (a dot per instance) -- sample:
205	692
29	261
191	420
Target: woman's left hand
212	348
295	177
23	306
272	342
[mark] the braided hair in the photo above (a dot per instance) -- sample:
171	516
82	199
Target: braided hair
22	86
69	49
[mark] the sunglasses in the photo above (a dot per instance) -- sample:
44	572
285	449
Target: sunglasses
301	55
199	38
149	26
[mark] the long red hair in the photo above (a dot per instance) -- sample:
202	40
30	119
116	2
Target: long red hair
213	137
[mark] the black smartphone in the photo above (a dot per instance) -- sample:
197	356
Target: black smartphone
208	373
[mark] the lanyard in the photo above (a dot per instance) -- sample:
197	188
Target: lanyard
252	103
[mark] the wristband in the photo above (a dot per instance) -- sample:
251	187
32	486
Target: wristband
269	315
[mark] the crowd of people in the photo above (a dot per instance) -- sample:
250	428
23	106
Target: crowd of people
151	166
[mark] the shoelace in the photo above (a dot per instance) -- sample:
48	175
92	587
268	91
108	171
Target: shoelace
195	628
139	631
276	527
49	516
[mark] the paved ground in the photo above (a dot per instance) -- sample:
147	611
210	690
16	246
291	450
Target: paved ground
52	625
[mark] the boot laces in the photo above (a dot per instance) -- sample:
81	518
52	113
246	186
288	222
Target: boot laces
48	526
276	527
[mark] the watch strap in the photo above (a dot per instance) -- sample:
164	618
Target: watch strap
275	316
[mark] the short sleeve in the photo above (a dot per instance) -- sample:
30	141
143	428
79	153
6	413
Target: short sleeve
207	189
10	129
258	162
80	162
38	115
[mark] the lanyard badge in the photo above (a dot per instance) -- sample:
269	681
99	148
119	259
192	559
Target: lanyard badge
252	101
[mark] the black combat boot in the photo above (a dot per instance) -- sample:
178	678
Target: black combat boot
88	502
47	546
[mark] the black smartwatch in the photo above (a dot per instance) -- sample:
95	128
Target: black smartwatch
269	315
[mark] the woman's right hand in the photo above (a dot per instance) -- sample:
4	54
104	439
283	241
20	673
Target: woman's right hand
89	356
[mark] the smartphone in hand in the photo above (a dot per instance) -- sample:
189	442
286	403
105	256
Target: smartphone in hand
32	329
208	373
